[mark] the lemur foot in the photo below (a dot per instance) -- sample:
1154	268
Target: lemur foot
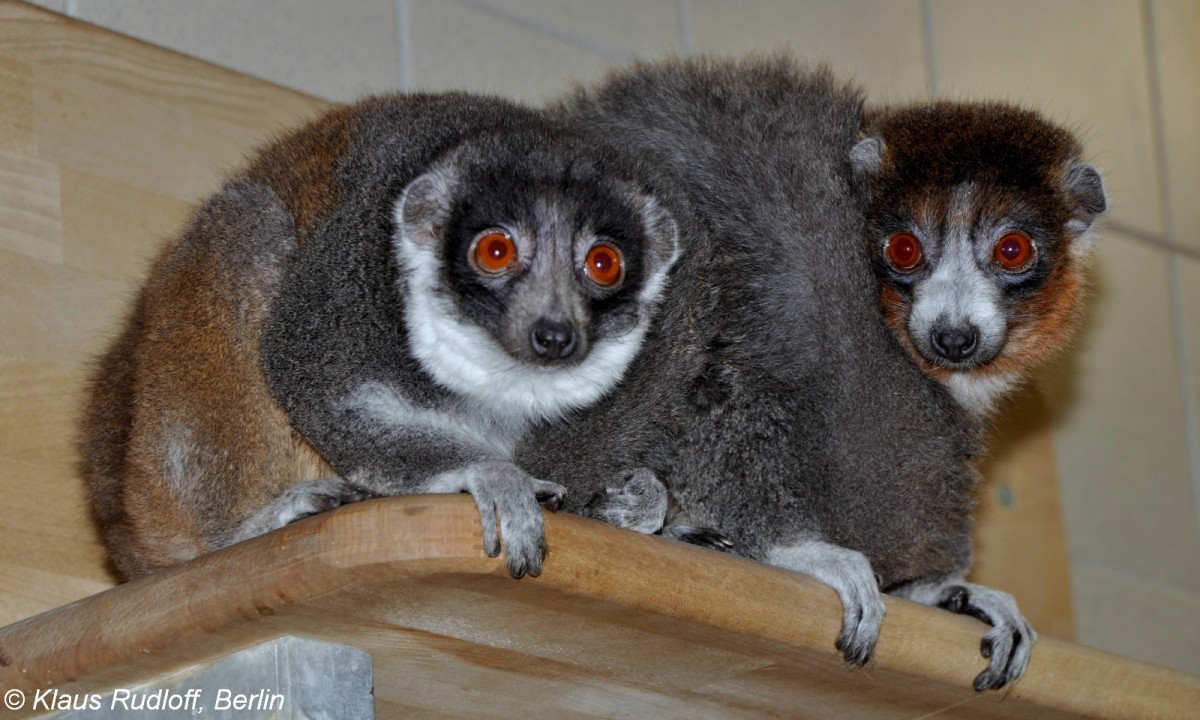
503	491
702	536
298	502
850	575
1007	646
634	500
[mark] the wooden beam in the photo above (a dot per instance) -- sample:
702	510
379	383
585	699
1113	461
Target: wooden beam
618	622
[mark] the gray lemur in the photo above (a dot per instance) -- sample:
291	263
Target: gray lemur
382	303
807	435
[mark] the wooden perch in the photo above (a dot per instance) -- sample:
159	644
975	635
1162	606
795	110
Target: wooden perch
619	624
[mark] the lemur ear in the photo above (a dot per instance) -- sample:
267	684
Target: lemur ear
424	206
866	157
1086	190
662	235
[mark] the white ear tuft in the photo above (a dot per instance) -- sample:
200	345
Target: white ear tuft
424	206
866	157
662	234
1085	190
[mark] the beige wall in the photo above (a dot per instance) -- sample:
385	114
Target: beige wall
1124	73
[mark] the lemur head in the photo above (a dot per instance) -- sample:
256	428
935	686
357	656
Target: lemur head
533	264
979	217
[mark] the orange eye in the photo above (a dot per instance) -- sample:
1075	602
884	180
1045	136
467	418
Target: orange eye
493	252
904	251
604	265
1014	251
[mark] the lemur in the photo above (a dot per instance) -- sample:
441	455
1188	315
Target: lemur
381	303
980	219
810	437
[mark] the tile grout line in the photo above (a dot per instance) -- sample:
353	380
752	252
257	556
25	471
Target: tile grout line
930	53
686	38
1148	239
546	28
404	45
1191	401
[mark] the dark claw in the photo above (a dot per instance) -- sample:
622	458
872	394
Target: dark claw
982	682
854	655
958	601
551	501
985	648
708	538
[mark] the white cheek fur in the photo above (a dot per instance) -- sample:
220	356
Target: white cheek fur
466	360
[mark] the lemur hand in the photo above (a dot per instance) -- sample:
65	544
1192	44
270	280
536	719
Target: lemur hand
850	574
504	491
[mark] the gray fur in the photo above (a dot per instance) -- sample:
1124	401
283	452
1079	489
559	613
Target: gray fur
634	500
407	385
296	503
773	403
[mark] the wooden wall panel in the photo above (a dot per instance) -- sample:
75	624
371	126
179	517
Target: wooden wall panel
105	145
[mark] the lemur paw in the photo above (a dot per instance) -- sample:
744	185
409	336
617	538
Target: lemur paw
634	500
702	536
1008	645
849	573
298	502
504	492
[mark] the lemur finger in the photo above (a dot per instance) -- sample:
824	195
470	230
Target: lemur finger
487	520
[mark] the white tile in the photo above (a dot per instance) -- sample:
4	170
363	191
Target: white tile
340	51
459	47
880	43
1120	438
1083	62
1124	615
1177	31
645	28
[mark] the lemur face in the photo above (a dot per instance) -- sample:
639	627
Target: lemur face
533	269
978	220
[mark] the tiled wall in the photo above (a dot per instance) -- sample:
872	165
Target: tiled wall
1124	73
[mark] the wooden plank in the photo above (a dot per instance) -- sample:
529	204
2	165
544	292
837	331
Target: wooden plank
449	631
1020	541
29	207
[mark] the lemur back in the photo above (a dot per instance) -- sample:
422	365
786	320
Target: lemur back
271	368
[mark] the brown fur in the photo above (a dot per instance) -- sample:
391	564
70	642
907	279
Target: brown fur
1018	163
185	374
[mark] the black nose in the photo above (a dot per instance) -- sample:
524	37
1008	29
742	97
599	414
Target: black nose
956	343
553	340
